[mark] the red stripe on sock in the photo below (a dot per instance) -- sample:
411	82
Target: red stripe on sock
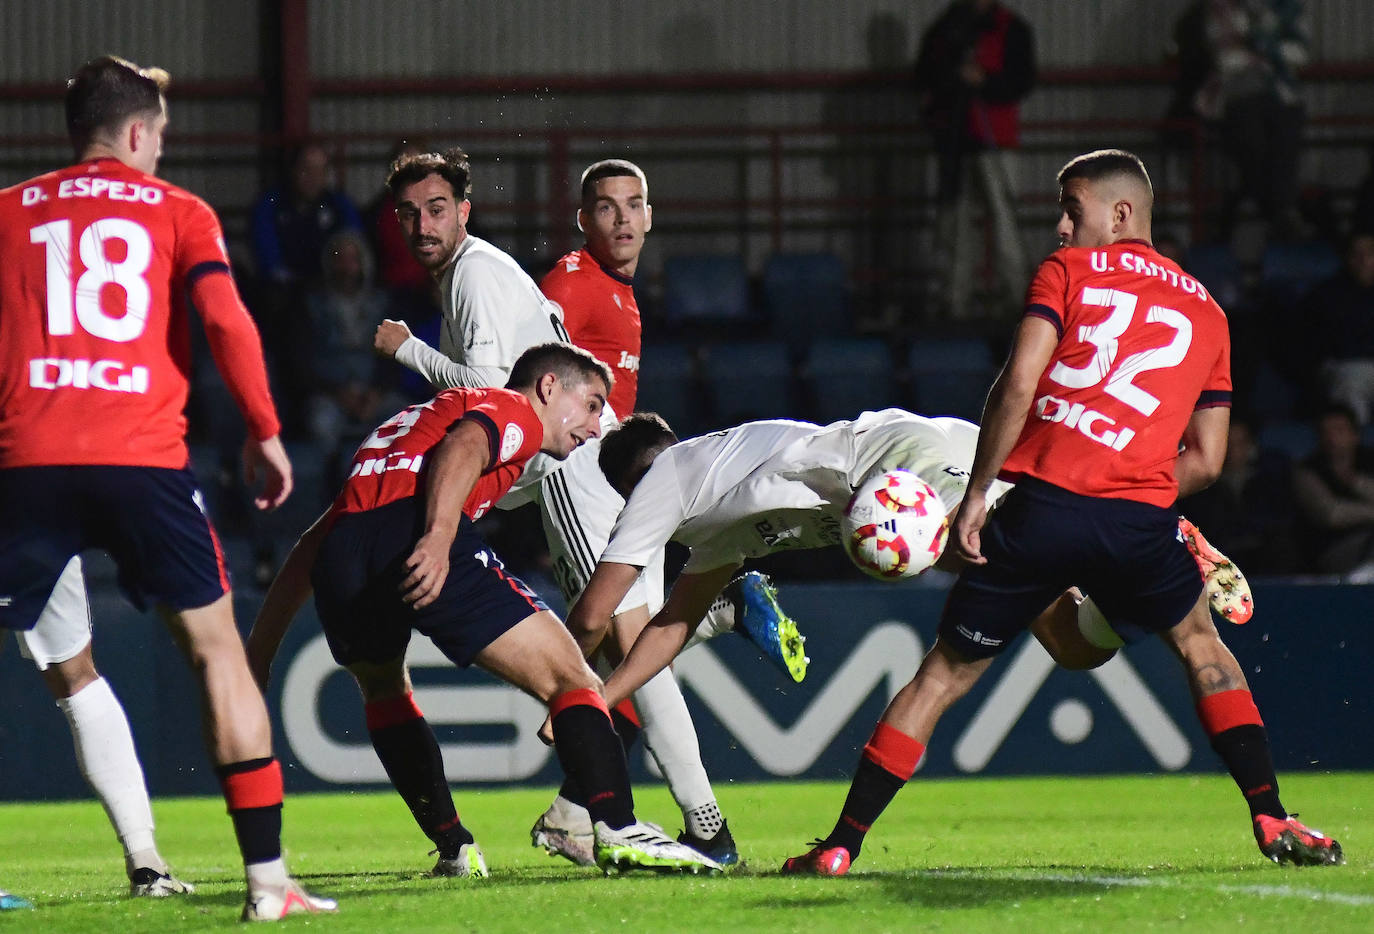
260	788
391	711
1226	709
582	696
627	710
894	751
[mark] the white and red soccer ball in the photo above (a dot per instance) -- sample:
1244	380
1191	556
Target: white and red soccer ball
894	526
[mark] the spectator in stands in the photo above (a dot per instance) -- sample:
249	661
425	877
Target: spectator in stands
1340	313
290	225
350	392
976	63
1251	51
1250	512
1335	491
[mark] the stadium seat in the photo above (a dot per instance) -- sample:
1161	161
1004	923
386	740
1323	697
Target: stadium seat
951	376
1215	265
1288	271
705	289
846	376
749	381
668	385
807	296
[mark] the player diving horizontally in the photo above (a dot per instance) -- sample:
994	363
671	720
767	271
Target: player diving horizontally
398	551
770	486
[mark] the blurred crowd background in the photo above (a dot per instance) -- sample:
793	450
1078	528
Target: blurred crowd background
849	201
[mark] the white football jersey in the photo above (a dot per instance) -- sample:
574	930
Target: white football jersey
492	313
777	485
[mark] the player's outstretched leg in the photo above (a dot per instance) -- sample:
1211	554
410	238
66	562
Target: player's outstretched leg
240	739
888	761
592	757
410	753
1228	592
1237	734
759	618
565	829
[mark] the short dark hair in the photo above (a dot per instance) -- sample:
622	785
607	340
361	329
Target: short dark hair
610	168
1105	163
108	91
628	450
451	165
570	364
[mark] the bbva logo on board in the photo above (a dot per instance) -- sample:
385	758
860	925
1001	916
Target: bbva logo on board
884	658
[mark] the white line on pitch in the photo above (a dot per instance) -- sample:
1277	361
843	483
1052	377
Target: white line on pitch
1263	891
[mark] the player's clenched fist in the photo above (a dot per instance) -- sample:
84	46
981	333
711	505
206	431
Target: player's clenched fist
390	336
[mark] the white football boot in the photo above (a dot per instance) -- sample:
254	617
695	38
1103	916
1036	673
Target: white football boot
468	864
565	830
644	846
273	904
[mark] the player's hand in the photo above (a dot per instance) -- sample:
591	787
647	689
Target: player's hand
268	460
428	566
968	524
390	336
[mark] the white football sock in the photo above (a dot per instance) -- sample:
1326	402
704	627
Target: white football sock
105	752
704	822
574	817
720	618
270	874
672	740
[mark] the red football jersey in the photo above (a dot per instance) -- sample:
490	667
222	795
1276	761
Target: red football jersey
1142	346
387	466
95	349
601	316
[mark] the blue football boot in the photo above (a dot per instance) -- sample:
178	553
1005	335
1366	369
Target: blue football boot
759	619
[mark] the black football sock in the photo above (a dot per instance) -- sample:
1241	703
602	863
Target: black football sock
592	756
887	762
410	754
627	728
253	794
1238	736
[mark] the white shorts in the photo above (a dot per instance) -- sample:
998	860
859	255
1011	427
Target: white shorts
64	627
579	509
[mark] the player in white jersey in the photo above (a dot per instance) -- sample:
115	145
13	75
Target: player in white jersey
772	486
60	646
492	312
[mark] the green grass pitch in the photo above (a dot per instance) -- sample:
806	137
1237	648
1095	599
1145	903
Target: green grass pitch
1142	853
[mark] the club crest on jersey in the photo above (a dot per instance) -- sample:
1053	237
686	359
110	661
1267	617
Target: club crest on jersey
511	440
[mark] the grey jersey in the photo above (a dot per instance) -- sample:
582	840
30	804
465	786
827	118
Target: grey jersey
777	485
492	313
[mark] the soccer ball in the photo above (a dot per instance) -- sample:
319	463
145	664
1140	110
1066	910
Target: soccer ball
894	526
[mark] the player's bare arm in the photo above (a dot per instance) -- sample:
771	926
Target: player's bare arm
590	618
389	337
668	631
458	461
1004	415
1204	450
288	593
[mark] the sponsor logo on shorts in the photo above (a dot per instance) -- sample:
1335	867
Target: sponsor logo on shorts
511	441
977	637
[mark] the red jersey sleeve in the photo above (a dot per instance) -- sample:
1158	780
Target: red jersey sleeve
1047	296
516	435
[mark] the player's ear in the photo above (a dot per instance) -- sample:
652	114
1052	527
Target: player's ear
648	217
581	220
1121	213
464	209
544	387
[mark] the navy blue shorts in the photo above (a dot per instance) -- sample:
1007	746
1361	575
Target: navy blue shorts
357	579
1044	539
151	520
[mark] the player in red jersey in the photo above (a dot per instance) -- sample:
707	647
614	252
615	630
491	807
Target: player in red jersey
1114	401
398	552
595	288
100	261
